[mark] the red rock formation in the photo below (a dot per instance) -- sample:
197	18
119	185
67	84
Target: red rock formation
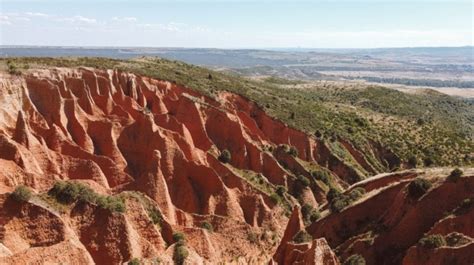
156	144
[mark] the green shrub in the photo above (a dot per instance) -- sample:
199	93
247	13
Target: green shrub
455	175
284	147
13	69
293	151
309	214
65	192
332	193
225	156
464	207
318	134
69	192
155	216
306	210
208	226
112	203
179	237
456	239
412	161
304	181
428	161
134	261
432	241
275	198
280	190
302	237
321	176
355	259
315	215
339	203
21	194
180	254
356	193
418	187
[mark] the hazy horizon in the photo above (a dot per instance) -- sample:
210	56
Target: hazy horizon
231	48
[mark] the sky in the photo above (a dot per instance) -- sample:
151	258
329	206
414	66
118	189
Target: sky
237	24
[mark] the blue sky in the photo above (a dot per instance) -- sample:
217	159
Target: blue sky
237	24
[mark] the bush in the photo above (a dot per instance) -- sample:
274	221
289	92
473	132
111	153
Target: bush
339	203
134	261
432	241
275	198
356	193
179	237
321	176
65	192
332	193
428	161
208	226
302	236
315	215
13	69
180	254
455	175
280	190
69	192
306	210
21	194
293	151
464	207
412	161
355	259
155	216
318	134
112	203
225	156
304	181
418	187
309	214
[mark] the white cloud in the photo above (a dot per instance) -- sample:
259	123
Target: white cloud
174	27
125	19
78	19
36	14
5	20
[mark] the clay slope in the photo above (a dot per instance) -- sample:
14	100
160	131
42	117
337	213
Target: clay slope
118	133
390	225
125	167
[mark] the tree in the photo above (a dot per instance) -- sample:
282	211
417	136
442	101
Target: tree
304	181
418	187
280	190
432	241
21	194
208	226
455	175
225	156
293	151
332	193
412	161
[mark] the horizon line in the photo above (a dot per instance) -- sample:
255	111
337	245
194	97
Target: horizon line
223	48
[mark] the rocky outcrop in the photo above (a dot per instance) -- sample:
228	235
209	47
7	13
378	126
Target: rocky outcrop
385	226
157	145
118	131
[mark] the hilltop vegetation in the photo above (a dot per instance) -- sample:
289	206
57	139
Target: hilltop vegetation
427	128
